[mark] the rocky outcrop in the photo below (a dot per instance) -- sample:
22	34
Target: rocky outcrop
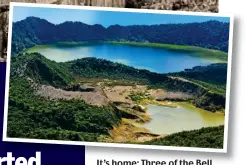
175	96
139	108
80	88
92	98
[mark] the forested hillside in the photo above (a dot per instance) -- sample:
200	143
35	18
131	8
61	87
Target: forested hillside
44	71
211	137
40	69
214	73
34	116
213	77
205	97
34	31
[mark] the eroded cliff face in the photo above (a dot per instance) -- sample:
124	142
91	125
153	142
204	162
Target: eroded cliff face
185	5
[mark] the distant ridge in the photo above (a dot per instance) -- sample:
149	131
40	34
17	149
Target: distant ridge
34	31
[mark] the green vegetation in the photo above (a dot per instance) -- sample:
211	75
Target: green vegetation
56	134
34	48
60	44
215	88
34	31
61	75
210	101
137	97
211	137
103	69
212	77
33	116
44	71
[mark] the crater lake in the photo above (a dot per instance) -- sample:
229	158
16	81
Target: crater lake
153	59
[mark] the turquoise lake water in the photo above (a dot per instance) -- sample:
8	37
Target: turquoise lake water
153	59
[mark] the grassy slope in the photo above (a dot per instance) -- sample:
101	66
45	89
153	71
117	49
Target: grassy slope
219	89
212	77
211	137
214	88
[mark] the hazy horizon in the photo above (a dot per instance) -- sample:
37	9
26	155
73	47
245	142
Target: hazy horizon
112	24
107	18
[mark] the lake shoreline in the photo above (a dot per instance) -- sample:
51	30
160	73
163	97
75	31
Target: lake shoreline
134	131
129	131
193	50
197	51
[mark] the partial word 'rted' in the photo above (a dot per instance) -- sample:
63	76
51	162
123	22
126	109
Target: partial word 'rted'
10	160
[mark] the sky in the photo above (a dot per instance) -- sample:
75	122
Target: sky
106	18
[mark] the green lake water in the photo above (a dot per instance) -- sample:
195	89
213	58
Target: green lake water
185	117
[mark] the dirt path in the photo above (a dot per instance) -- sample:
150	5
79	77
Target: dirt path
180	78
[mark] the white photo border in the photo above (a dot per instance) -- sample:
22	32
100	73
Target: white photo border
139	146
